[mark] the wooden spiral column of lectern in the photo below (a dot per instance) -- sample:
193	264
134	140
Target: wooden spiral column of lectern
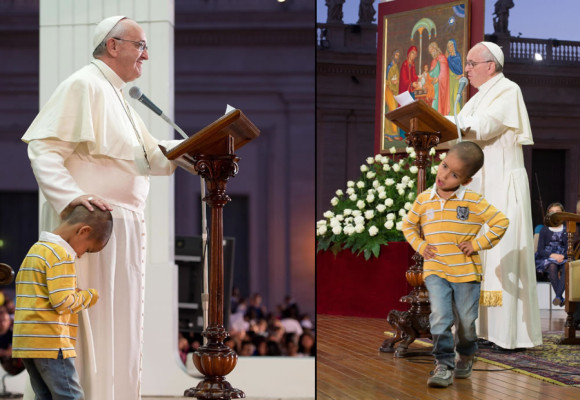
211	154
425	128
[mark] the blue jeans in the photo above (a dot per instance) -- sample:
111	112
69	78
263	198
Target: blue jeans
54	379
452	303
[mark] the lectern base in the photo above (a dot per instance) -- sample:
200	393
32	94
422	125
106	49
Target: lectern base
215	388
409	325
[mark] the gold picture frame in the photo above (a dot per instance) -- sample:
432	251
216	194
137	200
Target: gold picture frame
439	38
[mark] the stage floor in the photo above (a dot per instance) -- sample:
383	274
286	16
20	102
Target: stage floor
180	398
349	366
260	378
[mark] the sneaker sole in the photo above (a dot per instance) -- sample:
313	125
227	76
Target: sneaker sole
462	375
440	383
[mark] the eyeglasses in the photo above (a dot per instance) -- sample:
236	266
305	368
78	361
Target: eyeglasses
141	45
472	64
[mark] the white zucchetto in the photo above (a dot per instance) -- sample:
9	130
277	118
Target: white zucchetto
495	50
103	29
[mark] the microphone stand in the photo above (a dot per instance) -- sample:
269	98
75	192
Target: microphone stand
177	128
457	99
205	294
457	119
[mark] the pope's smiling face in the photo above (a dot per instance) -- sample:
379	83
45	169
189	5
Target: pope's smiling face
129	58
482	69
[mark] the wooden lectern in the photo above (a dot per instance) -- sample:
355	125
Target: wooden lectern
425	128
211	154
570	219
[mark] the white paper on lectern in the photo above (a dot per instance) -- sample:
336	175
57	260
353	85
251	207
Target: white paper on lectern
404	98
229	108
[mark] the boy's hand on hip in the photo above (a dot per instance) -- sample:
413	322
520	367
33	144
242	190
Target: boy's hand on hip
466	248
429	252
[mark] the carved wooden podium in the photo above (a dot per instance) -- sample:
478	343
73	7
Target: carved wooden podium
211	154
425	128
6	274
570	219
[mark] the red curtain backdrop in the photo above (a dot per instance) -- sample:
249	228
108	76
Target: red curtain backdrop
351	286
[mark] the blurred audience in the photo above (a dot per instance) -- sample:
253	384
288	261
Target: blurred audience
307	344
11	365
255	332
5	334
256	309
259	333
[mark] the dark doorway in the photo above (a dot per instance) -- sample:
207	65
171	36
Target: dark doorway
18	227
236	225
548	181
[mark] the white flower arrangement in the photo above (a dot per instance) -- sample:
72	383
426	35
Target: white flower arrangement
370	212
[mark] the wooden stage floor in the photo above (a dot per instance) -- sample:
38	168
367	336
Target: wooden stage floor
349	366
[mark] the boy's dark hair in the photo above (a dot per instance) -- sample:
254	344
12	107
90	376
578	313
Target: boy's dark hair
471	155
100	221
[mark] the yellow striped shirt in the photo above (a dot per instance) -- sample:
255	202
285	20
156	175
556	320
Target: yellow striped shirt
445	224
47	301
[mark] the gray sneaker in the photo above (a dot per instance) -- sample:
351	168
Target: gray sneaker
440	377
463	366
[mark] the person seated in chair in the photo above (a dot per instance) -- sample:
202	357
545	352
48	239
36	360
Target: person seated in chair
551	255
5	334
11	365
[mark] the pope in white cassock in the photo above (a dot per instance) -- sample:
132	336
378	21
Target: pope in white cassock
88	146
498	121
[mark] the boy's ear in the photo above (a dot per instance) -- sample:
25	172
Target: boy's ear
467	181
84	230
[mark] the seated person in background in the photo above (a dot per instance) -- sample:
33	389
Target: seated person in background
5	334
234	300
248	348
577	236
307	344
11	365
291	345
290	324
184	348
236	338
10	307
231	343
289	309
552	254
239	319
306	322
256	307
577	256
273	346
260	346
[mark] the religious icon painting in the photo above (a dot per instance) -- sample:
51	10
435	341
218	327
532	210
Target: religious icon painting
423	58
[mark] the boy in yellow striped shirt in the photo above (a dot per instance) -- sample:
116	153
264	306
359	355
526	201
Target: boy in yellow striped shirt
443	226
48	300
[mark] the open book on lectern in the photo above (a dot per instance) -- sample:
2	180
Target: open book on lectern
223	136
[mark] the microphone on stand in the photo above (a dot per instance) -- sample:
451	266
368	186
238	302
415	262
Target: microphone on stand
462	83
137	94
